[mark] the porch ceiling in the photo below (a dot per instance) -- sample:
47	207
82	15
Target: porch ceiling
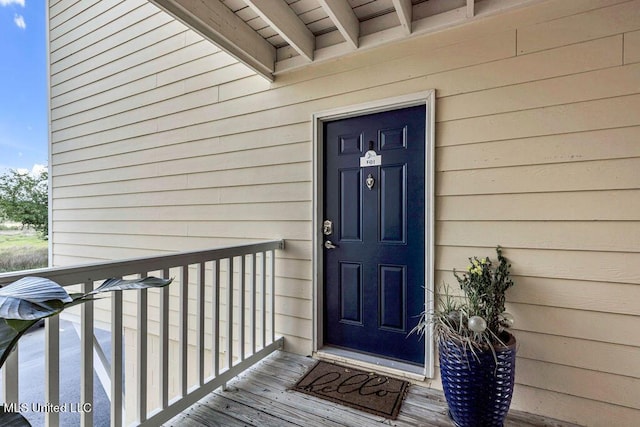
273	36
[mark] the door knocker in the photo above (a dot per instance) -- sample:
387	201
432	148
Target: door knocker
370	182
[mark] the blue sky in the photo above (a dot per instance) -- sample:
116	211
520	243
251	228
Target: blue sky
23	84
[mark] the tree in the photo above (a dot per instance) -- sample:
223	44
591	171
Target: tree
24	198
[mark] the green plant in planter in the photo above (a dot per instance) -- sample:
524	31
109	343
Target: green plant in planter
484	287
476	353
25	302
478	319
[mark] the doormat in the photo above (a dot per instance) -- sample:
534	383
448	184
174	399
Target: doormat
377	394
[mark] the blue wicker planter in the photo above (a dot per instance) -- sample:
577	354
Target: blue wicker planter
477	391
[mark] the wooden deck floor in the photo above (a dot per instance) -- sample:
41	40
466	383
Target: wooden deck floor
260	397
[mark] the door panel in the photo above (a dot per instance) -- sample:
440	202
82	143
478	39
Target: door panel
393	203
392	297
393	138
350	205
351	292
374	277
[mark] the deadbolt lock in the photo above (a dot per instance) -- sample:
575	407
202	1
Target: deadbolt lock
327	228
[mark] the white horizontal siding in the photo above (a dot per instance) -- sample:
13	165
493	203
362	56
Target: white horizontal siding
163	143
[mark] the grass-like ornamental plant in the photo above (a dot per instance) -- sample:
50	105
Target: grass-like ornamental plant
478	319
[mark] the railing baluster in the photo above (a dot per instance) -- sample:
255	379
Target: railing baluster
230	314
252	309
52	367
273	296
86	357
215	333
142	354
116	359
184	328
241	306
200	327
263	293
164	343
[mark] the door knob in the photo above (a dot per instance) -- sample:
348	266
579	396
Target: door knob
329	245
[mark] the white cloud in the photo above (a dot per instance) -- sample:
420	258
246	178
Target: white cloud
9	2
38	168
19	21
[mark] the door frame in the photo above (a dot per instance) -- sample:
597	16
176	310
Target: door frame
426	98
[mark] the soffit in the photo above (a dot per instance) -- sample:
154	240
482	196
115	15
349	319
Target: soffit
274	36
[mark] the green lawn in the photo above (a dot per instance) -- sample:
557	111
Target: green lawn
22	251
20	240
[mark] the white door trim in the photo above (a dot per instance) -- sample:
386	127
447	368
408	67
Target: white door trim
426	98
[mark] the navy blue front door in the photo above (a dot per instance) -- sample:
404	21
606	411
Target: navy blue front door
374	276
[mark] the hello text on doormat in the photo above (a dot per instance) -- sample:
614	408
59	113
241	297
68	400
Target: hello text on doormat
366	391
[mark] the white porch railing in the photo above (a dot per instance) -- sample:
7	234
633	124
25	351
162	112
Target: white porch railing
236	282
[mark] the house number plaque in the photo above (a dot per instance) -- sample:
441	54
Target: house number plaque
370	158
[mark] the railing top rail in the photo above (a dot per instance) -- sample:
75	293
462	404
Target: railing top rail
71	275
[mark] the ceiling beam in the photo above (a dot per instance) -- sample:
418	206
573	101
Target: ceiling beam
279	16
470	8
345	20
217	23
404	9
